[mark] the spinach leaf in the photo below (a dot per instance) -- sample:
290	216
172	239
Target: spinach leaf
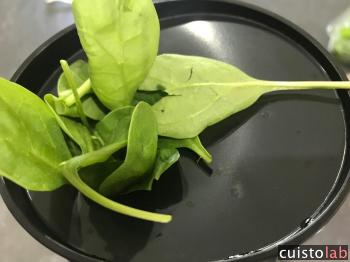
112	129
114	126
202	101
120	38
31	142
189	109
75	130
140	155
171	71
193	144
71	168
203	106
92	108
168	154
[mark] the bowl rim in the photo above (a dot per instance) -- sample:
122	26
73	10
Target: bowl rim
310	226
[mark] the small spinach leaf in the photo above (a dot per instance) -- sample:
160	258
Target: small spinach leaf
121	42
167	155
114	126
31	142
92	108
140	155
71	168
193	144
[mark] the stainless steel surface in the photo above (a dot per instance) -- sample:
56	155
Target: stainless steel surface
25	24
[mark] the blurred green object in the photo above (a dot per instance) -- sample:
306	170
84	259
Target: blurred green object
339	33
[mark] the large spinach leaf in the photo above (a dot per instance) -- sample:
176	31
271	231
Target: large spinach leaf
211	92
188	111
120	38
172	71
140	155
31	142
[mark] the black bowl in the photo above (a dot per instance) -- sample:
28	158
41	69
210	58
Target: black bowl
280	167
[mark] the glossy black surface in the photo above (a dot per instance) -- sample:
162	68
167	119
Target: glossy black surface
274	163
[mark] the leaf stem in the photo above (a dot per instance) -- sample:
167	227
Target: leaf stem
70	171
112	205
73	86
303	85
278	85
201	150
81	90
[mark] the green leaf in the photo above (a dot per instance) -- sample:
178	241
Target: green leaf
114	126
80	73
71	168
112	129
31	142
186	112
171	71
206	99
92	108
75	130
193	144
121	42
140	155
167	155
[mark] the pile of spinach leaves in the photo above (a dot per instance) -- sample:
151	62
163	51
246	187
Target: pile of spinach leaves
118	121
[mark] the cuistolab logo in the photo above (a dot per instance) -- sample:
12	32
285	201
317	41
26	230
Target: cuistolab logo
313	252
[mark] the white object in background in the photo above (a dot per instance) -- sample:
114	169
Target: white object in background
60	1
